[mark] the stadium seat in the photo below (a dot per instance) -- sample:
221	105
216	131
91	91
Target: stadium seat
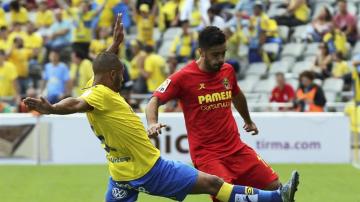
333	85
271	48
243	50
290	59
164	49
356	49
280	66
293	49
265	86
311	49
300	67
299	32
310	58
330	96
257	69
171	33
247	86
157	34
294	83
284	32
318	82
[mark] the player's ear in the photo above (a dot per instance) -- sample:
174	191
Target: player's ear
202	52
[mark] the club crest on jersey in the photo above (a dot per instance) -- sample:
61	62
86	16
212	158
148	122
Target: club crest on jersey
162	88
226	84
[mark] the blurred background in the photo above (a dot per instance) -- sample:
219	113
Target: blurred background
290	57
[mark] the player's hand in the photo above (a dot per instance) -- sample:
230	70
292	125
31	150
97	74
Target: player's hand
155	129
118	34
251	127
40	105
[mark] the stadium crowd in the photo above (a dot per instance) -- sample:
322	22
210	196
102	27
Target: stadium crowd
300	52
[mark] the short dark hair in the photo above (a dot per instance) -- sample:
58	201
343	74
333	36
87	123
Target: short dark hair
2	52
148	48
80	54
341	1
308	74
211	36
105	62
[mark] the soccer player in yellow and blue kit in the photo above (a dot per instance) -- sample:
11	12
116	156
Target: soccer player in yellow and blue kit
135	164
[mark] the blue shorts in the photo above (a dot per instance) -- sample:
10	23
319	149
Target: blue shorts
170	179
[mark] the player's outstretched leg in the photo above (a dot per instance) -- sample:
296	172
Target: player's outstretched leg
225	192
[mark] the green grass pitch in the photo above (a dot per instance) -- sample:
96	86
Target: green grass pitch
319	183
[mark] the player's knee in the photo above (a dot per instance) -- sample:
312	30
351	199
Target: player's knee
214	184
273	185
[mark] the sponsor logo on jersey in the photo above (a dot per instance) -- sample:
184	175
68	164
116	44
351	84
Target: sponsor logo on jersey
162	88
246	198
214	97
119	193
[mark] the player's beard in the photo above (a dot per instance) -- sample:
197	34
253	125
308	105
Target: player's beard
213	67
117	83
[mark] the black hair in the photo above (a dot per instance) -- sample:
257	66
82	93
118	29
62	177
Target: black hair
148	48
15	5
308	74
2	52
211	36
184	22
3	28
105	62
80	54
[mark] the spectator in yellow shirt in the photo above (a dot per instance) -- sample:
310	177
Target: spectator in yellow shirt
82	21
234	38
169	13
342	70
106	17
44	17
3	21
4	45
336	41
33	39
154	69
80	72
17	32
100	43
184	45
8	76
297	13
145	21
18	14
19	56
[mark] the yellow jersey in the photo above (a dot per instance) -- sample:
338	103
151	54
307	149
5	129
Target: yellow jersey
354	115
130	153
81	74
20	58
134	71
4	45
33	41
21	17
106	17
340	69
155	65
21	34
339	39
145	29
302	12
7	77
183	45
356	80
82	32
269	26
3	21
44	19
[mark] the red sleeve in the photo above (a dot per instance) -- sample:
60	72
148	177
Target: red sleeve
169	89
291	92
272	98
236	88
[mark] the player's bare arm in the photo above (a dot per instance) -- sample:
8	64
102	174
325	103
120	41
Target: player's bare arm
67	106
241	106
118	35
152	112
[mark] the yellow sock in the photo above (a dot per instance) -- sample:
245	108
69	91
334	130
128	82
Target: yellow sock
225	192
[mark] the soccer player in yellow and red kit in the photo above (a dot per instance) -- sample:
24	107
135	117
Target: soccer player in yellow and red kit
206	88
135	165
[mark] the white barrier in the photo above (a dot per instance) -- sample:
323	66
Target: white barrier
283	138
